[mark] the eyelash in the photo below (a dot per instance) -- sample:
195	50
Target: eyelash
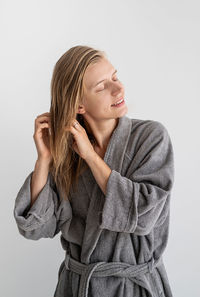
104	88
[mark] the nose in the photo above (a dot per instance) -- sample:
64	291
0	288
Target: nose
117	88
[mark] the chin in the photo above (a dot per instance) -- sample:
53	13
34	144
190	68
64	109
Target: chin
123	112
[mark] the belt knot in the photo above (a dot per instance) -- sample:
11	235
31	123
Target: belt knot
103	269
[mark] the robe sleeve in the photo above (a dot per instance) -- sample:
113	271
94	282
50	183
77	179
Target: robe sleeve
45	217
140	202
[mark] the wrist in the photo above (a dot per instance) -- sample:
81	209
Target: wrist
92	156
41	162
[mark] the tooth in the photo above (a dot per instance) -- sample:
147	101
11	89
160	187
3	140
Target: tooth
118	102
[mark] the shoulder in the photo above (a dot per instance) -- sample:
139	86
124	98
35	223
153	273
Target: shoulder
143	128
146	133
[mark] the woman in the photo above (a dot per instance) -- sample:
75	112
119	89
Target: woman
102	179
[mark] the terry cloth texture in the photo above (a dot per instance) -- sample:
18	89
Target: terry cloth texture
113	243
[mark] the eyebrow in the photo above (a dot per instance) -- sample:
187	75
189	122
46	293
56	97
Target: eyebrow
103	79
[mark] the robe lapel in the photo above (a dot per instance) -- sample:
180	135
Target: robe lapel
113	157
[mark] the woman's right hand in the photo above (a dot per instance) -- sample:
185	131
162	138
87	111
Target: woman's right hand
41	136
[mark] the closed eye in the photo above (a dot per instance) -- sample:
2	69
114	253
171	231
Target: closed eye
116	79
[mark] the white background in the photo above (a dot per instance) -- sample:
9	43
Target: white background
155	46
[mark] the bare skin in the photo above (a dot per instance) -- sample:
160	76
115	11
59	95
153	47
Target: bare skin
41	138
101	153
99	117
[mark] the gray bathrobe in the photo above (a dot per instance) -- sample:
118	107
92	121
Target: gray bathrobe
114	243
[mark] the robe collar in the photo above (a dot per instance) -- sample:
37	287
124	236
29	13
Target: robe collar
113	157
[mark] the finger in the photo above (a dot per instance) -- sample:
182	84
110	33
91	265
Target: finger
77	125
42	119
71	129
39	128
44	125
39	122
44	114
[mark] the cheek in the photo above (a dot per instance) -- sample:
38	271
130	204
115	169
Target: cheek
103	99
99	101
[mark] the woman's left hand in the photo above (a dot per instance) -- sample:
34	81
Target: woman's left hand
81	144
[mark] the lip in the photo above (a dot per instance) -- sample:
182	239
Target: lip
118	100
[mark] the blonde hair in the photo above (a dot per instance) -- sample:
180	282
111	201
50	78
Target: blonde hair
67	90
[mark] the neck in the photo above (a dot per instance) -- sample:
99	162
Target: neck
101	130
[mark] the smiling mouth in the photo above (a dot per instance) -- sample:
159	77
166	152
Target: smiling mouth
119	102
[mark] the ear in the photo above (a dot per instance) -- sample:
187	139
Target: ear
81	109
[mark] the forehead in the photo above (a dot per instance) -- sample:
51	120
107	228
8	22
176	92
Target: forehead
102	69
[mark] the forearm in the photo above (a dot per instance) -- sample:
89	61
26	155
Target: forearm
39	178
100	170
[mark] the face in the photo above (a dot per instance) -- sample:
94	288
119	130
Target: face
102	89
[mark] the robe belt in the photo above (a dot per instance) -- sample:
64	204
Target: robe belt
102	269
